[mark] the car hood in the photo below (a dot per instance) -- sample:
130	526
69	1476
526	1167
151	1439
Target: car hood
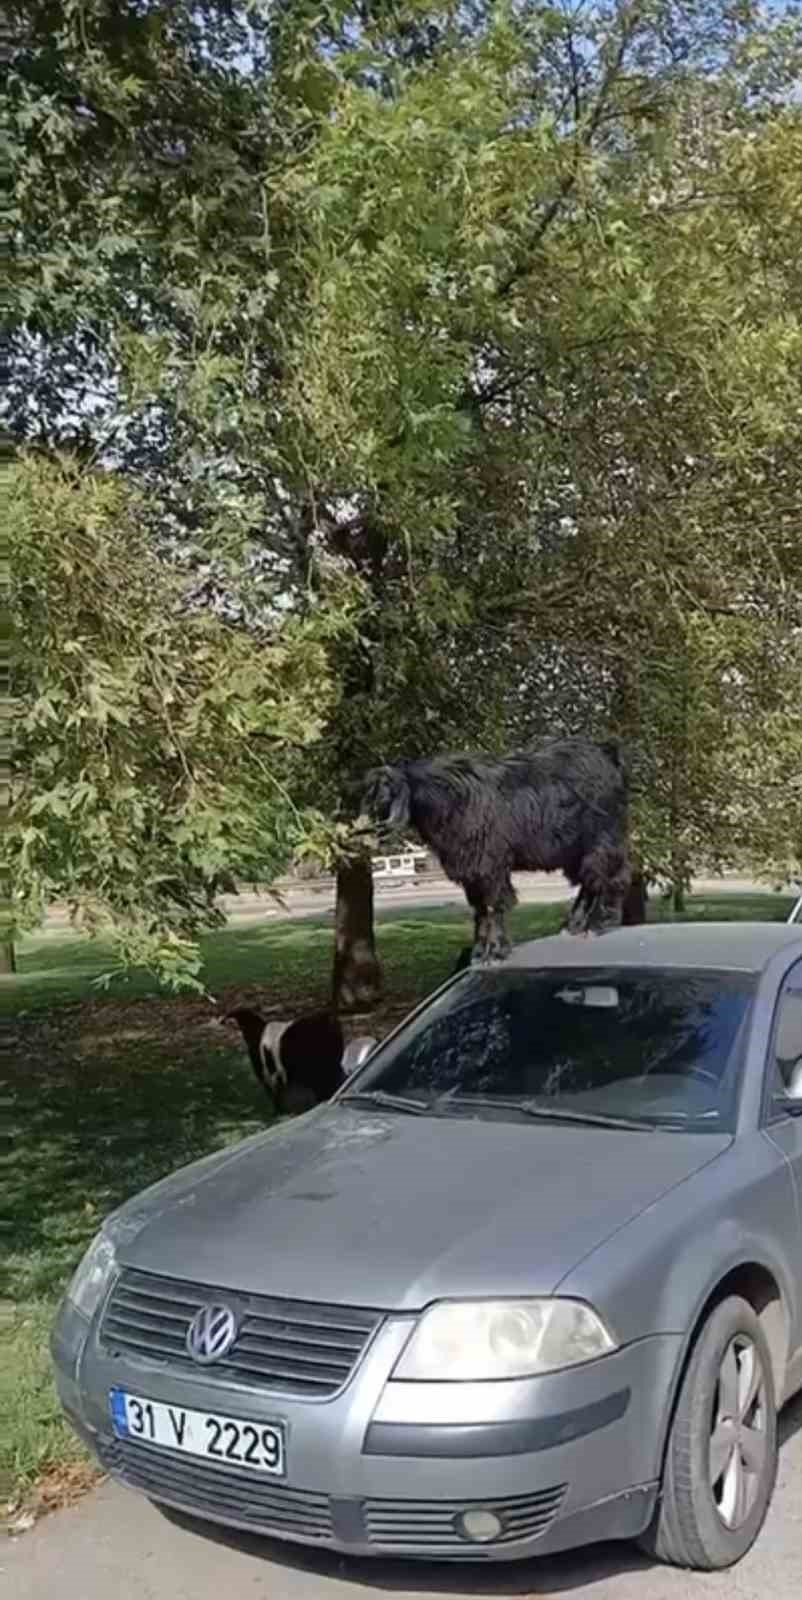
392	1211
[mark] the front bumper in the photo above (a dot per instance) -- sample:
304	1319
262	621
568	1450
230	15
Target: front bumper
385	1468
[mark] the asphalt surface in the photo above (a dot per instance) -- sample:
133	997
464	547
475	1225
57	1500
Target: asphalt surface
532	888
115	1546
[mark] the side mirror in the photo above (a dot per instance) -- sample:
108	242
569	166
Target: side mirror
356	1052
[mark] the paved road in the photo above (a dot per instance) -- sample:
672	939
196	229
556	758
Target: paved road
115	1546
532	888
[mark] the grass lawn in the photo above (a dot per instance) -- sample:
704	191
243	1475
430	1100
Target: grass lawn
106	1091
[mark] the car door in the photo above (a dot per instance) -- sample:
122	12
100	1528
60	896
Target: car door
783	1110
782	1117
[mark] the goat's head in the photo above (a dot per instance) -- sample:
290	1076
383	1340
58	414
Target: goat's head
386	798
245	1018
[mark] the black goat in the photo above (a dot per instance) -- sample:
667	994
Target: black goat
299	1063
561	807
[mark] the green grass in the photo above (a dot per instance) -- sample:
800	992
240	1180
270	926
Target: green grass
59	968
293	956
106	1091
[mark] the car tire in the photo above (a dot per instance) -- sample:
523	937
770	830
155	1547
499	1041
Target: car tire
721	1457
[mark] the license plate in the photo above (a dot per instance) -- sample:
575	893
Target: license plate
227	1440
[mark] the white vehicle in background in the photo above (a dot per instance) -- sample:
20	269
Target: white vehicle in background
397	869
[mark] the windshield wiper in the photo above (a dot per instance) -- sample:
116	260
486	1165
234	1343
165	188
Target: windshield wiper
381	1097
533	1108
439	1104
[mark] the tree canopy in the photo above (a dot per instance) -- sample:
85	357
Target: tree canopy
151	738
487	314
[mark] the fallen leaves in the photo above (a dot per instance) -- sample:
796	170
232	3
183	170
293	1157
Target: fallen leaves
62	1484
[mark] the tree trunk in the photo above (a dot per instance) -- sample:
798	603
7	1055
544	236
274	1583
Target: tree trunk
678	803
357	974
677	863
8	960
635	907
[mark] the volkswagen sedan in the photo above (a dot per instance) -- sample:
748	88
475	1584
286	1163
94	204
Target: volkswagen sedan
532	1279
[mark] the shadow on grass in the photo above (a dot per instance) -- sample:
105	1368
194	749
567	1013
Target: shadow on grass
105	1093
87	1133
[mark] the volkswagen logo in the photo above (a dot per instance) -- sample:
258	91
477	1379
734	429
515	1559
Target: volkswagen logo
211	1333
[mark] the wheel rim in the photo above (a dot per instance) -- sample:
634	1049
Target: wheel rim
738	1437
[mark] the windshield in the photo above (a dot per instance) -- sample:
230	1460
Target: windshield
657	1049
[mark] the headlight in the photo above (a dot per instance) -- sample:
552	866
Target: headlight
93	1275
485	1339
90	1282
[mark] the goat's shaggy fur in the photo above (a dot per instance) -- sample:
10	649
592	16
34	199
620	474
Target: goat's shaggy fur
298	1063
560	807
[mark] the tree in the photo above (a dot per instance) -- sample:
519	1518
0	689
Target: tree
467	303
8	964
150	738
537	363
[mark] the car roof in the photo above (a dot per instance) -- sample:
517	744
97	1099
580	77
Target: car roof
718	946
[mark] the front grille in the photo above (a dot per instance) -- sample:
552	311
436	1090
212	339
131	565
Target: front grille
232	1494
285	1346
431	1524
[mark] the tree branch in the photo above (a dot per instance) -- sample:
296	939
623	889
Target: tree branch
583	140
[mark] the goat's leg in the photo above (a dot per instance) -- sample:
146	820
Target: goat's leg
498	945
606	876
578	916
612	896
480	936
490	939
499	900
475	897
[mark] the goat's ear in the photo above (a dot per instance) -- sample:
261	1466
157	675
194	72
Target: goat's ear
376	784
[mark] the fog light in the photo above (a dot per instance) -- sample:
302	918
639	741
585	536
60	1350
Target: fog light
480	1525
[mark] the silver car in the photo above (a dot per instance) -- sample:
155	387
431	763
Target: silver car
532	1279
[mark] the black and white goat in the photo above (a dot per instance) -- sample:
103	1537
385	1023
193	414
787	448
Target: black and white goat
560	807
298	1063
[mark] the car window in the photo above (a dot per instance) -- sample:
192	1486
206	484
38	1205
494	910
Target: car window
662	1047
785	1065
